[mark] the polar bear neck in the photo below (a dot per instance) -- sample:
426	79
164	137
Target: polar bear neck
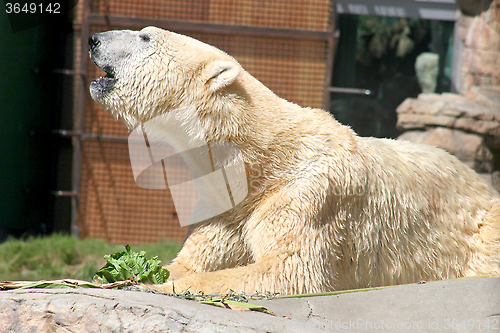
269	129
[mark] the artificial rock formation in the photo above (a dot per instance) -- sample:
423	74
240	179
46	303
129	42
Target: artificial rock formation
466	126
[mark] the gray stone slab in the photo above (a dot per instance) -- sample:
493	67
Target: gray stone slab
464	305
94	310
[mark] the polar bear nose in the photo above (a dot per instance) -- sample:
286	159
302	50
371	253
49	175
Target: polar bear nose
94	41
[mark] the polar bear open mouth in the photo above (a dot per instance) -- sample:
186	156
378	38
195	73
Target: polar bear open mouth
100	88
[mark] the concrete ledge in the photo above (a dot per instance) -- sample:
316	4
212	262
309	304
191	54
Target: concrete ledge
464	305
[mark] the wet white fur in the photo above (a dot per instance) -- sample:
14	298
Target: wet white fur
327	210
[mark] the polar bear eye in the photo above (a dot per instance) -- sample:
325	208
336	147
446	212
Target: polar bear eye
145	37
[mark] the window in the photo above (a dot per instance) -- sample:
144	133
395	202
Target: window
382	60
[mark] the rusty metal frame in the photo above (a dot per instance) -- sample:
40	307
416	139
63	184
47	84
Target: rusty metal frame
78	116
223	29
333	38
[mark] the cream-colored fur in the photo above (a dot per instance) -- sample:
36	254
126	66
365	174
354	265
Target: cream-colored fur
327	210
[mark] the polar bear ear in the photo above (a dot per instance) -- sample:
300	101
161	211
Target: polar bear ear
221	74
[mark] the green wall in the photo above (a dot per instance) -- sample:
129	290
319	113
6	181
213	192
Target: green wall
30	109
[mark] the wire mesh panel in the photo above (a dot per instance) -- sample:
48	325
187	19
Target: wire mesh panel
111	205
293	68
114	207
282	14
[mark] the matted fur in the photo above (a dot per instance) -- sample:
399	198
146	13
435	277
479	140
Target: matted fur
327	209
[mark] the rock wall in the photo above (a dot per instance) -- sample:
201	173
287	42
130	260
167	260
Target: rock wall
479	29
467	124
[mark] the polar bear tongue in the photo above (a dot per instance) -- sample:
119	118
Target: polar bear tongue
110	73
109	76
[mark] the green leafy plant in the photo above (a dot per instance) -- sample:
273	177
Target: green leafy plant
134	266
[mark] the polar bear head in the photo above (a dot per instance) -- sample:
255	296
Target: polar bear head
152	71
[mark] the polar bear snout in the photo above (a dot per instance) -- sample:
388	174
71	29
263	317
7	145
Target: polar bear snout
101	49
106	50
93	42
97	50
115	52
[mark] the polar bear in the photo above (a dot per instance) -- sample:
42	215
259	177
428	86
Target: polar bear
327	210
